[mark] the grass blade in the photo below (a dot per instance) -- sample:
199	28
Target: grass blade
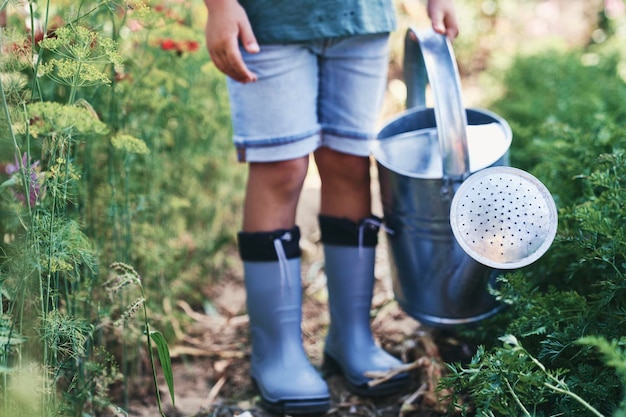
165	359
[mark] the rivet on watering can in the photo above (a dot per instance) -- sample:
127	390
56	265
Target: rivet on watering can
447	188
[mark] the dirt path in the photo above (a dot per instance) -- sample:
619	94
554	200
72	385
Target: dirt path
211	362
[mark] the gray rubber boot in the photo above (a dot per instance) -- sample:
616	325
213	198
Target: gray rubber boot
287	381
349	251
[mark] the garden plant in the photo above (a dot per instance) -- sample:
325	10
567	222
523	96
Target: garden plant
560	347
100	125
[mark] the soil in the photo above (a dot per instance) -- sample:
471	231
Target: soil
210	363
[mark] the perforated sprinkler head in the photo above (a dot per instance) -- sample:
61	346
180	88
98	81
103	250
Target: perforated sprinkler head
503	217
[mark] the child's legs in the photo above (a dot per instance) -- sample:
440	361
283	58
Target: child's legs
276	128
334	87
272	194
353	75
345	184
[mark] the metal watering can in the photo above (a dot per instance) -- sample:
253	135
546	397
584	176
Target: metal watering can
456	214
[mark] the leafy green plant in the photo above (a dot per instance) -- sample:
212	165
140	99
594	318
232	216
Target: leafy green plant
115	143
53	320
124	276
564	352
513	382
614	355
554	101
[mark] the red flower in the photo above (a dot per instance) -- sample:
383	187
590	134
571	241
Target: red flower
189	46
168	44
179	46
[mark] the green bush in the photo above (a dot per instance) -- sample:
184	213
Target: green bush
562	350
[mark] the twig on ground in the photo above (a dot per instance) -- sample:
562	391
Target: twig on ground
383	376
408	403
429	392
200	348
214	392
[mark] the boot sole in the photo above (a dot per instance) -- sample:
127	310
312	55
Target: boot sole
393	386
302	407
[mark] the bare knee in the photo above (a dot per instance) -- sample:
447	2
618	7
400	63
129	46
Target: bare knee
340	167
345	184
282	177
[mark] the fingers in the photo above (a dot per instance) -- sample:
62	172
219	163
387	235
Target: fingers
443	17
227	58
450	28
229	61
247	38
240	70
226	27
446	25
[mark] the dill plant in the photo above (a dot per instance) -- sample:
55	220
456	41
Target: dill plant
51	317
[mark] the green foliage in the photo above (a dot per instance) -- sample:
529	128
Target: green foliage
563	114
50	119
115	143
164	357
513	382
125	276
82	57
569	308
614	354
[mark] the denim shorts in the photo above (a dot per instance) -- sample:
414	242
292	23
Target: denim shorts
319	93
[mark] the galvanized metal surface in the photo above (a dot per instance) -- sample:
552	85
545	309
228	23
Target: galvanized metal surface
434	279
504	218
429	56
459	215
423	155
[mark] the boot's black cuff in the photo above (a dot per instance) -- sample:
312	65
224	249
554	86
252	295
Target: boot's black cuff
259	246
343	231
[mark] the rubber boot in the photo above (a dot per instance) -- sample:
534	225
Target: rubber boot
287	381
349	251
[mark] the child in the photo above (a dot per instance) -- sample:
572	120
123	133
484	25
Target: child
308	77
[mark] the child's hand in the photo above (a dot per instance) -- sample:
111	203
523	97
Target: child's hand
443	17
226	26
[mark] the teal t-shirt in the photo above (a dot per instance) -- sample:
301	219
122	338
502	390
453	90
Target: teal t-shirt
284	21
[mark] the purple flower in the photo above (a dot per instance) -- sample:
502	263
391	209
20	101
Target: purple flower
13	168
35	180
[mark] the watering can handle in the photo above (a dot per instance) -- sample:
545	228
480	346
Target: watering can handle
428	57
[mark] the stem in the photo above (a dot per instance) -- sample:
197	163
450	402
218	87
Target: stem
4	4
557	388
26	175
7	114
516	398
74	85
36	86
151	355
127	215
575	397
